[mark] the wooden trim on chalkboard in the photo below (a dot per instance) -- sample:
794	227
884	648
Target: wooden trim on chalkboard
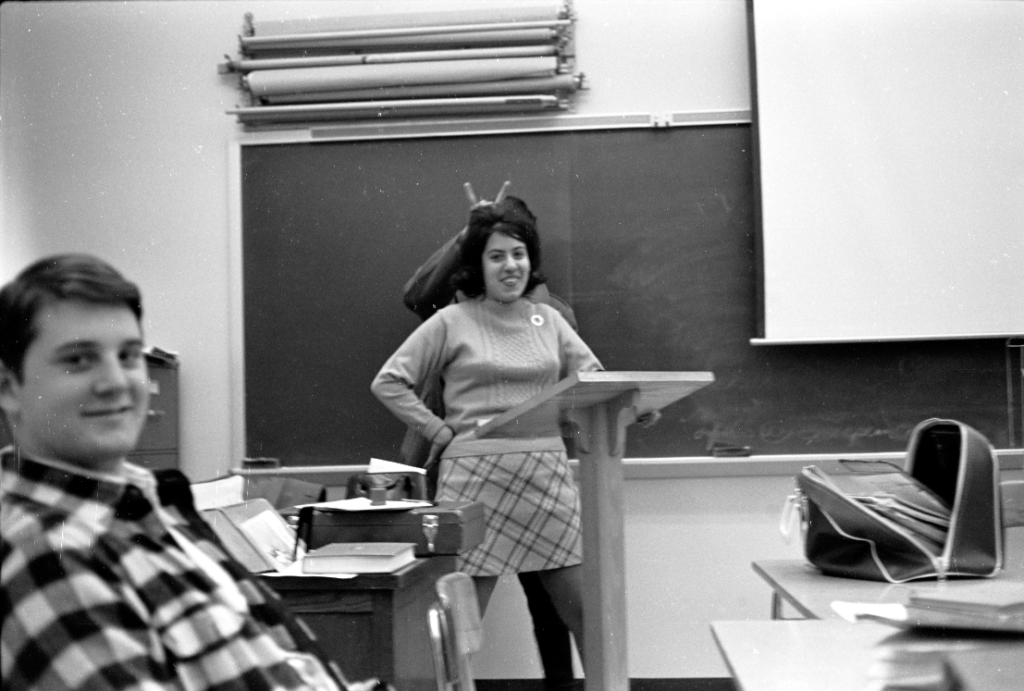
663	468
462	127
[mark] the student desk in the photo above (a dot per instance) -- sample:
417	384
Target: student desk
811	592
373	625
825	652
835	655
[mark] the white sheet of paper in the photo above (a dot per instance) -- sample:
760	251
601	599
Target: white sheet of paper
218	493
364	504
851	611
378	465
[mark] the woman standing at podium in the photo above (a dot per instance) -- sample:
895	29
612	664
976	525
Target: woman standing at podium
493	351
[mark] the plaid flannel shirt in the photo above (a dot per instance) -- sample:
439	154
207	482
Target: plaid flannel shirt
95	593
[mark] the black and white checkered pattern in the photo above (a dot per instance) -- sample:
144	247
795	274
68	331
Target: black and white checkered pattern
97	594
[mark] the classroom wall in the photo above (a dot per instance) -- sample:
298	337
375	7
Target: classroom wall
113	139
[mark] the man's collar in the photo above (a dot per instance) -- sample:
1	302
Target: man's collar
38	481
115	477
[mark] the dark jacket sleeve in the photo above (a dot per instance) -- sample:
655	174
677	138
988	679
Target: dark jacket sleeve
430	287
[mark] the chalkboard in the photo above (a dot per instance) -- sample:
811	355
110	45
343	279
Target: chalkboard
648	233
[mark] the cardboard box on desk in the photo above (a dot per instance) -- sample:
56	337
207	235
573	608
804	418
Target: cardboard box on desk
459	527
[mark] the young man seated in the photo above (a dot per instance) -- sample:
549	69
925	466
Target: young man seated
110	579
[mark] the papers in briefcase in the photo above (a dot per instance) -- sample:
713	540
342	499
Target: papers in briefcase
254	534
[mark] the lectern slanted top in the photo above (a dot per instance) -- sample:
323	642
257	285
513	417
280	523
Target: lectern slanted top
654	390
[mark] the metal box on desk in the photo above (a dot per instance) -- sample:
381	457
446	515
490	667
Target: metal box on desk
447	528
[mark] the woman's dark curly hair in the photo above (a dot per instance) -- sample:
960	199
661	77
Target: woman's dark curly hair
509	217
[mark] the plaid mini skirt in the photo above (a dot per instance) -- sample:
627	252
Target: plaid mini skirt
531	510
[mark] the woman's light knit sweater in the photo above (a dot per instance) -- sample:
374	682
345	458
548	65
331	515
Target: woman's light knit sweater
491	356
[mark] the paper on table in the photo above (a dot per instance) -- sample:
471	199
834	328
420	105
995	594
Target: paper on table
852	611
364	504
378	465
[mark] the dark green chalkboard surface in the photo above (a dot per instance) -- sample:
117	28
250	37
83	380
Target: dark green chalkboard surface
650	235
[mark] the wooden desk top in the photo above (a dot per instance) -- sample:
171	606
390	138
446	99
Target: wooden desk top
812	592
810	655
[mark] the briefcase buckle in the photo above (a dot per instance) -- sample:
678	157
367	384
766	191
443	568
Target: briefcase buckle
430	526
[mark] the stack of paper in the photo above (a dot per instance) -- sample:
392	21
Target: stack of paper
903	500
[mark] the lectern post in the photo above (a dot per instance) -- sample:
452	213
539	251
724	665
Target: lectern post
600	405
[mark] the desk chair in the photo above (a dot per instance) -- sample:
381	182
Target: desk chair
456	632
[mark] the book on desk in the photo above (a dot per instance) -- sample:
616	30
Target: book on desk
1000	603
359	557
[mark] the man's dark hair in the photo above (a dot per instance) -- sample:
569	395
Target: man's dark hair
509	217
62	277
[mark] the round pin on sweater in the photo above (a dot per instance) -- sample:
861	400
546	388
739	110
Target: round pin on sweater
537	320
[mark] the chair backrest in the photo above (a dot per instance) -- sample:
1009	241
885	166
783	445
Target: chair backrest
456	631
446	667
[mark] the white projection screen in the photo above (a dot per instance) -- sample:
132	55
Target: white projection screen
890	140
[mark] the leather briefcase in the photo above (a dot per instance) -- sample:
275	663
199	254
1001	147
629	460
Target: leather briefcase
845	536
446	528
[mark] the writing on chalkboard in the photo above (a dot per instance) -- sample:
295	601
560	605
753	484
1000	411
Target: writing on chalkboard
773	434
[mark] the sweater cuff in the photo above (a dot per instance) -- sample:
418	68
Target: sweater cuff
432	428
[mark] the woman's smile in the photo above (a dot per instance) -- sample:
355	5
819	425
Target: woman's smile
506	268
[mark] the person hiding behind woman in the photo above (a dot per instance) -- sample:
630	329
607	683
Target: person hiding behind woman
493	351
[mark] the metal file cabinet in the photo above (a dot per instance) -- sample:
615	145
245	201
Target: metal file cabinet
158	446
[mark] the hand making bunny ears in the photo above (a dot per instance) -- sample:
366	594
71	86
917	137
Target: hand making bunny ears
474	202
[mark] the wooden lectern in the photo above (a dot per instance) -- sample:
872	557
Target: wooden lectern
600	405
